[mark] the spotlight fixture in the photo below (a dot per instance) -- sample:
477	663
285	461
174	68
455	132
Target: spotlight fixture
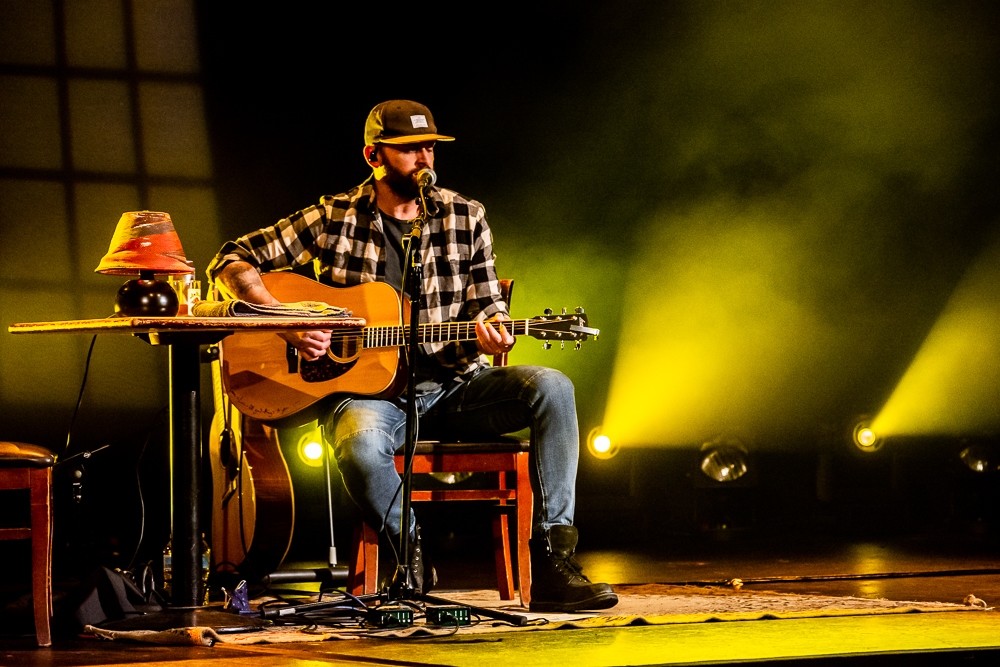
724	459
310	448
313	451
865	438
600	445
980	457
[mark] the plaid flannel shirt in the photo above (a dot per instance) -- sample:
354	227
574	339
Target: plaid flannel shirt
343	239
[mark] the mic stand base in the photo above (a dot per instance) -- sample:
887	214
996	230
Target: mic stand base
399	592
388	598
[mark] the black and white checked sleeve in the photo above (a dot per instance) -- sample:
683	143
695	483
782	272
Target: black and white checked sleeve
290	242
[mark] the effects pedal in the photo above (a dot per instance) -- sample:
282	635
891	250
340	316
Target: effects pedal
390	616
449	614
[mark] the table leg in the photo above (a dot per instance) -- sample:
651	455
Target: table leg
185	474
186	609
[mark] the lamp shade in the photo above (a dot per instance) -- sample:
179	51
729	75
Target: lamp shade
145	241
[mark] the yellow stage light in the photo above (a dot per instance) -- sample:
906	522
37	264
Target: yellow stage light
310	448
951	385
865	438
601	445
313	451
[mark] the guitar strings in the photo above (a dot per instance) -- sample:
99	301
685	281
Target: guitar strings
393	332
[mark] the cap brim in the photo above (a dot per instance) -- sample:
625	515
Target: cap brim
415	139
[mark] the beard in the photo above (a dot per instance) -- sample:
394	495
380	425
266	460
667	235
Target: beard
402	184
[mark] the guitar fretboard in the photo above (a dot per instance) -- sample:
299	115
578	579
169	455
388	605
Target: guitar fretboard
445	332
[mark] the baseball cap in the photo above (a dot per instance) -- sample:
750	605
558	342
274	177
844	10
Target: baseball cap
401	122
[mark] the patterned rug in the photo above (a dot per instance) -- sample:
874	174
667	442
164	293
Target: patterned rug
638	606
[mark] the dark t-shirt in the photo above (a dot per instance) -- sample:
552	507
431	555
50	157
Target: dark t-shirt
431	377
397	234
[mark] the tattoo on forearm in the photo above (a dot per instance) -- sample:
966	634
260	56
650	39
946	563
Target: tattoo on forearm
241	281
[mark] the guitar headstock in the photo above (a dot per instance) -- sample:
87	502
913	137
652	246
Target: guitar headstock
562	327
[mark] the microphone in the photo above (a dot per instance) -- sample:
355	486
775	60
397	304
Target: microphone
425	178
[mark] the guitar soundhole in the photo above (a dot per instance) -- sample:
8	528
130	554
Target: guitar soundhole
324	369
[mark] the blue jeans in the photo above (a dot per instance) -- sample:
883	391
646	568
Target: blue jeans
366	433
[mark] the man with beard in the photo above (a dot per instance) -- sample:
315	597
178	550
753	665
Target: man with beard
360	237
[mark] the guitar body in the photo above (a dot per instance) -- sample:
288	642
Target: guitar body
255	367
253	508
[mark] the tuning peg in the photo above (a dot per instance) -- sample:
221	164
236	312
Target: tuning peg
577	346
562	345
578	310
547	311
563	311
546	345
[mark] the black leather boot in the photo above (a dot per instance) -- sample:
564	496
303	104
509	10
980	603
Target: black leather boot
557	580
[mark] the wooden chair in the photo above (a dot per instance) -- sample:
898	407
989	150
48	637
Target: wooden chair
498	458
25	466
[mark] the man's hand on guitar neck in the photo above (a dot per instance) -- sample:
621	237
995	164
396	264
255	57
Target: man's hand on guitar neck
242	281
491	340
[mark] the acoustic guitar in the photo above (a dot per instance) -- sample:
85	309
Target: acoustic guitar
253	508
265	379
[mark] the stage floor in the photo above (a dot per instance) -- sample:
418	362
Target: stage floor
901	569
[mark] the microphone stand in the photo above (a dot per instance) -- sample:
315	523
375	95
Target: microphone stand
403	585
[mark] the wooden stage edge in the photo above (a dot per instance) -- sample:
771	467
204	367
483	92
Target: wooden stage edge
910	639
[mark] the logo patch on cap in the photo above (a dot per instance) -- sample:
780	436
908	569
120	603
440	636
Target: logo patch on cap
418	120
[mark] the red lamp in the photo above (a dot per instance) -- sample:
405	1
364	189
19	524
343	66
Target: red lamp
145	243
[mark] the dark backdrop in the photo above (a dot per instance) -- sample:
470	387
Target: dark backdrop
576	120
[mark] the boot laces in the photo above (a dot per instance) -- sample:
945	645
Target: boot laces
570	567
575	564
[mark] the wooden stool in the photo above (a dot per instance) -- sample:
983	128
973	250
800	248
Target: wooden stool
30	467
498	458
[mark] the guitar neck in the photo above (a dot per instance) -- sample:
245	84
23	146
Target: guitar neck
445	332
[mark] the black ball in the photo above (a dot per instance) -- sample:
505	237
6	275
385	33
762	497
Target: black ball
146	298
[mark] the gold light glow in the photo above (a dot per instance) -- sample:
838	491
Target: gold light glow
731	337
865	438
952	384
310	447
600	445
313	450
